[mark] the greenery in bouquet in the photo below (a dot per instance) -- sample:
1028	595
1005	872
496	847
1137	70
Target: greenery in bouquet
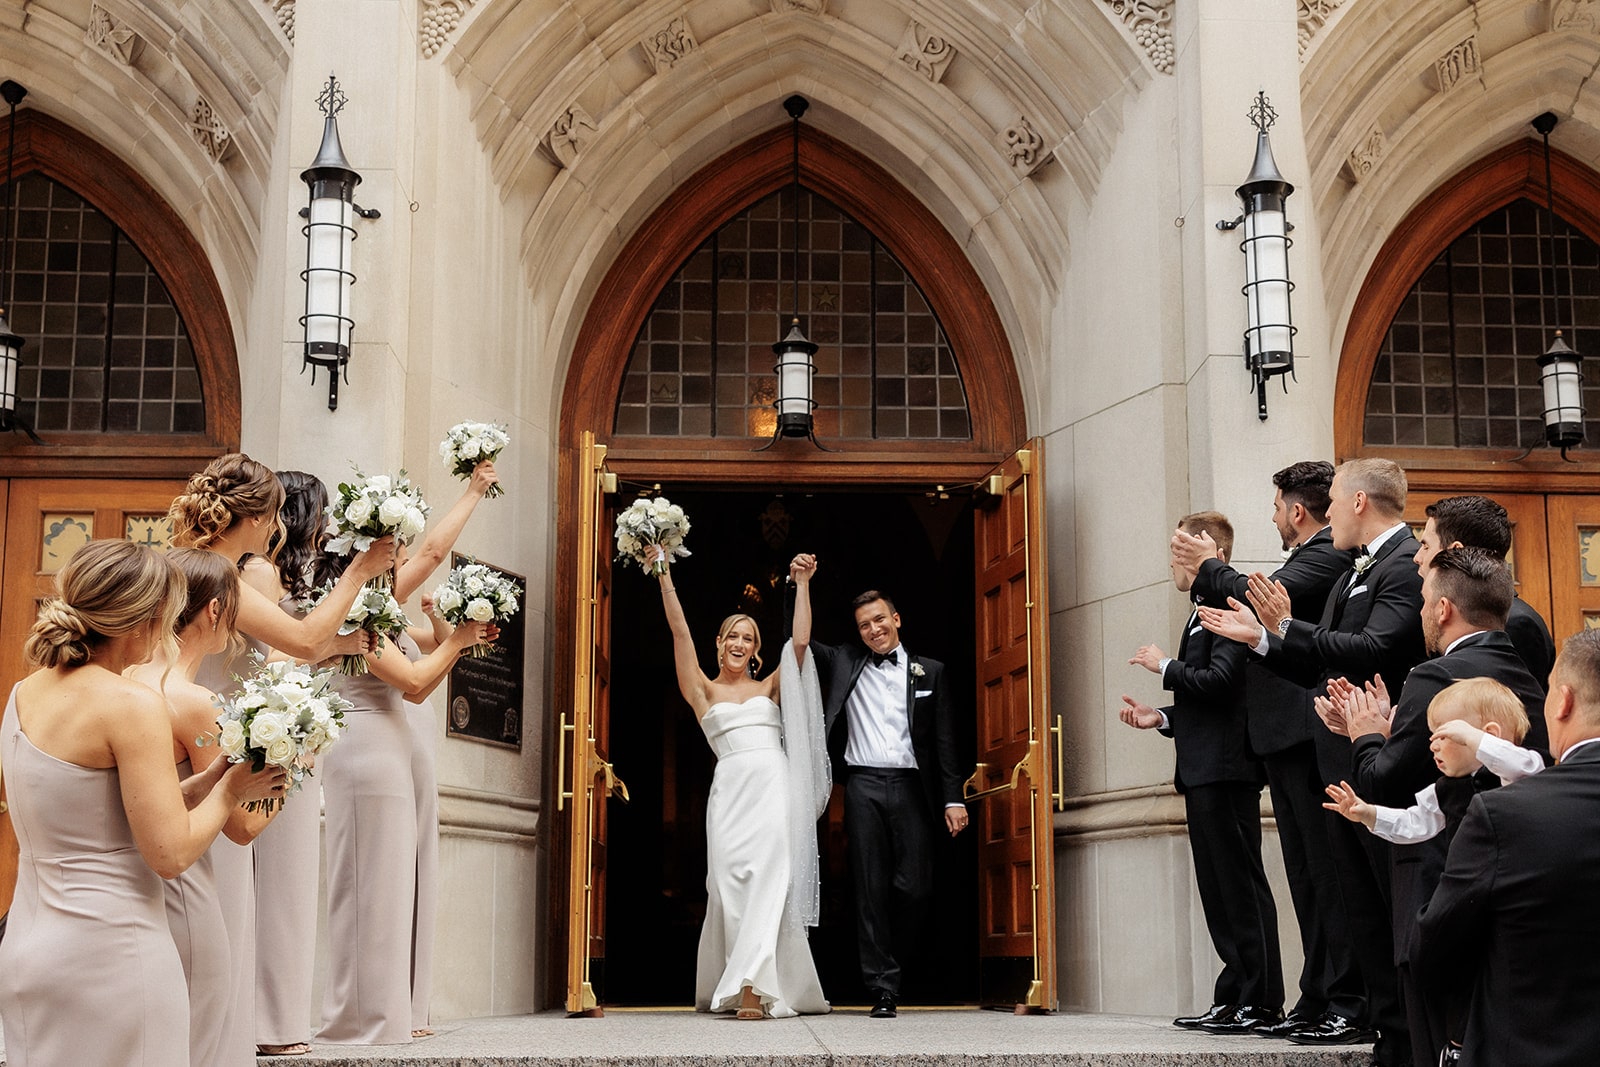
375	610
285	714
368	508
468	444
646	524
473	592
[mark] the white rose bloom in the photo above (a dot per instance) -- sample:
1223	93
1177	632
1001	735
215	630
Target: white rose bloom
280	753
359	510
413	523
469	449
378	484
266	728
392	510
231	739
474	586
449	601
480	610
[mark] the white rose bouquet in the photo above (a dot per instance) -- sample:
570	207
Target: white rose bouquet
647	523
369	508
475	593
375	610
284	714
469	444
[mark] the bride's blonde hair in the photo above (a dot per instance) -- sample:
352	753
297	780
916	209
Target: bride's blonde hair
722	633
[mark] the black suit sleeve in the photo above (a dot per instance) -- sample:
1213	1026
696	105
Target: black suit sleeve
1531	638
1392	772
1307	576
1455	922
944	738
1393	620
1217	680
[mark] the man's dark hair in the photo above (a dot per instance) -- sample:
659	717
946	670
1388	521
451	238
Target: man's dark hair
868	597
1475	521
1477	582
1214	523
1306	483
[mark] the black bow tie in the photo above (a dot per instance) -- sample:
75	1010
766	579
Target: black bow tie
1361	550
891	658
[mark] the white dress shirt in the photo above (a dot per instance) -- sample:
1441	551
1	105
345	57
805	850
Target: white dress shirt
880	723
1423	820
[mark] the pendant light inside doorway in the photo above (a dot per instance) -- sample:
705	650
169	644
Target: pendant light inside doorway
1560	368
795	367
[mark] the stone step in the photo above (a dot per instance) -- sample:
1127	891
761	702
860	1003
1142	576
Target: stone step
846	1038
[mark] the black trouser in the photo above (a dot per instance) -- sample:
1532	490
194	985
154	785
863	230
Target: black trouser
891	857
1328	978
1362	864
1225	840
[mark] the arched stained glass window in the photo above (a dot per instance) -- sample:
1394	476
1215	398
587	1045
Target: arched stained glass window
702	363
1459	366
106	349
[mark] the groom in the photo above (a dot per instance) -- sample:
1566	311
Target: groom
892	743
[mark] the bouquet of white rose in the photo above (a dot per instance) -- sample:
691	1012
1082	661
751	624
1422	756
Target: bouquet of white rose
647	523
375	610
284	715
369	508
469	444
475	593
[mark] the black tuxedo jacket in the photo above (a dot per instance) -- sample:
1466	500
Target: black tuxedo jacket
928	704
1206	720
1278	710
1517	913
1532	640
1392	772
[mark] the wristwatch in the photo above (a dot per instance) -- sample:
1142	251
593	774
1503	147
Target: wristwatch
1283	626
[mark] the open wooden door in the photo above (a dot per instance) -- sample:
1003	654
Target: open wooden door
47	520
584	739
1015	781
1530	567
1574	525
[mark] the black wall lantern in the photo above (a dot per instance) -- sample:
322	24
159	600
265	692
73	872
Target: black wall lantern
1560	368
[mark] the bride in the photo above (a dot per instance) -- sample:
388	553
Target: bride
754	958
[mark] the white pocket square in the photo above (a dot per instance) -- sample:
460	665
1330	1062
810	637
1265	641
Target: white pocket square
1357	591
924	693
1195	630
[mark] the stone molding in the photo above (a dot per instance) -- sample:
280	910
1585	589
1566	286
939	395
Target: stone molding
478	813
208	130
926	52
283	11
670	43
1581	15
567	136
112	36
1312	15
1367	154
1150	22
1024	147
1457	65
439	20
808	7
1122	814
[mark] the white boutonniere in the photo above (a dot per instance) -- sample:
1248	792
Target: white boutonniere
916	670
1363	563
1287	554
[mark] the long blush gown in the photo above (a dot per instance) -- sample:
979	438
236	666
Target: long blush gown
89	974
194	915
745	940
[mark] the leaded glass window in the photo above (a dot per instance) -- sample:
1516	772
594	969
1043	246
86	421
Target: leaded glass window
702	362
1459	367
106	349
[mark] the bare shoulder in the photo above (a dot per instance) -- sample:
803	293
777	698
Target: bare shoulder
259	574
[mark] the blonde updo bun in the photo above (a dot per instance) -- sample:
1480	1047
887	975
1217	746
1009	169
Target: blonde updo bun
107	589
231	488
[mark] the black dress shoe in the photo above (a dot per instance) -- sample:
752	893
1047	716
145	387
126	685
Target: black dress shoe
1244	1020
1334	1029
1211	1015
1292	1023
885	1008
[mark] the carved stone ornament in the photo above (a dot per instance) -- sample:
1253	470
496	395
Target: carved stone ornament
439	20
1024	147
926	52
1581	15
1457	65
209	131
111	36
669	44
1366	155
1151	23
283	10
566	138
809	7
1312	15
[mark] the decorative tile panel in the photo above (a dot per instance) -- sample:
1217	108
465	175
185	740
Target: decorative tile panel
62	534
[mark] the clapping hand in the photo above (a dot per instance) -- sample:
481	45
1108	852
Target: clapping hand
1191	550
1137	715
1149	657
1269	598
1352	807
1367	711
1332	717
1237	623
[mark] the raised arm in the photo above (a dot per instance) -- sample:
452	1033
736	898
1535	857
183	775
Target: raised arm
417	680
801	570
441	538
308	638
691	682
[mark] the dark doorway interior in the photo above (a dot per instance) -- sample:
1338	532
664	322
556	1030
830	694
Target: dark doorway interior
920	551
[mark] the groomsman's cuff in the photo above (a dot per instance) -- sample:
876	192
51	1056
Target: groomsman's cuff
1261	645
955	804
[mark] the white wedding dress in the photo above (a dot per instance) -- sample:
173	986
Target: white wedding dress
747	938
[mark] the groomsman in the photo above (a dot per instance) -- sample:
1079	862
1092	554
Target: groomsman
887	721
1466	596
1478	522
1221	785
1281	724
1515	913
1371	625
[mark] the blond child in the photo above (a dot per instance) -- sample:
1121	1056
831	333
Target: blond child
1477	724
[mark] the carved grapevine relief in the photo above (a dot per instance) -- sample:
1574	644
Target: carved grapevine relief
568	135
284	11
439	20
208	130
1311	15
1457	65
926	52
110	36
1583	15
669	44
1151	23
1366	156
1024	147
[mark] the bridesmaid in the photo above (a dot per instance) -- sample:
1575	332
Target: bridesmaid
88	968
194	911
231	508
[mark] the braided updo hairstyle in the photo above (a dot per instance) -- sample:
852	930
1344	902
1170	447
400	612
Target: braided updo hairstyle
107	589
231	488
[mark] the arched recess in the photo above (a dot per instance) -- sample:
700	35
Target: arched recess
50	147
864	190
1513	172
